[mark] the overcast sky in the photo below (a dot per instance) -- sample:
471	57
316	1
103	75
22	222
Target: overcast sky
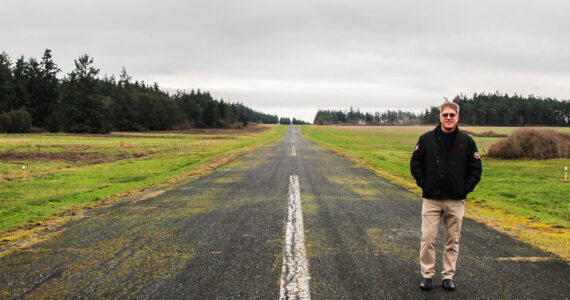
293	57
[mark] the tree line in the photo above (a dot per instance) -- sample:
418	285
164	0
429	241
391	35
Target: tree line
32	96
352	116
298	122
288	121
504	110
485	109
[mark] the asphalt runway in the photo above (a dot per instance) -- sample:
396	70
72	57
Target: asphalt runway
226	236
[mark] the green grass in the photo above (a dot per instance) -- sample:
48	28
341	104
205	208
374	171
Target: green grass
514	194
57	185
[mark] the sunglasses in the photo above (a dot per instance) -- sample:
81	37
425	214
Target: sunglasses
448	115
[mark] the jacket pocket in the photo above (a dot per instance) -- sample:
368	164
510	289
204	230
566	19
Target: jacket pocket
428	184
421	182
466	190
457	187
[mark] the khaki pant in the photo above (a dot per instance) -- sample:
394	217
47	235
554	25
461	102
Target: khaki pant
432	211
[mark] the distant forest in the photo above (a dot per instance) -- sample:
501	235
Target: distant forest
481	109
352	116
31	96
288	121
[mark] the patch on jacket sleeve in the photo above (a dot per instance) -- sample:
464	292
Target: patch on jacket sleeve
476	155
417	147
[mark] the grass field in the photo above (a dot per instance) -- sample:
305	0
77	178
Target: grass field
525	198
69	171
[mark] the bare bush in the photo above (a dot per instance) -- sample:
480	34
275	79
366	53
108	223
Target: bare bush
532	143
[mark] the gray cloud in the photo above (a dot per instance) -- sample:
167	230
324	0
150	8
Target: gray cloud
296	56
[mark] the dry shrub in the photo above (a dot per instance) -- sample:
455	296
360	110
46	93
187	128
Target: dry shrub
532	143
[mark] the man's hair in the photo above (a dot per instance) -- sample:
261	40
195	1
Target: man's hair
449	104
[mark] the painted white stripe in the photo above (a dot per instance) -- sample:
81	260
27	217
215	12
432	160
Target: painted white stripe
293	153
295	272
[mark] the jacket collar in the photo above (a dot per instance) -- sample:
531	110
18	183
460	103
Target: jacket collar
438	130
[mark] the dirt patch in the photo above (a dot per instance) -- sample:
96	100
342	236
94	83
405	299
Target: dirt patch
248	129
216	138
12	141
123	136
252	128
85	157
489	133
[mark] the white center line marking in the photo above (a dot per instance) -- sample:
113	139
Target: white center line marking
293	153
294	275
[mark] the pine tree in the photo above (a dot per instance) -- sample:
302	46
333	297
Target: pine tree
47	90
33	77
125	105
6	85
81	108
20	82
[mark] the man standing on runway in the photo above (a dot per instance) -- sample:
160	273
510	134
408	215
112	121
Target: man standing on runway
447	166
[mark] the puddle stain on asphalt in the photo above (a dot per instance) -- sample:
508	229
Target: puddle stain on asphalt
133	259
390	242
358	185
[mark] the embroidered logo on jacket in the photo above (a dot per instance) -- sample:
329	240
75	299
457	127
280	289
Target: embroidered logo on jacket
476	155
417	148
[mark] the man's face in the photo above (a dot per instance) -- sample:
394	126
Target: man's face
448	118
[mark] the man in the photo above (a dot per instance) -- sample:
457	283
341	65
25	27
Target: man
447	166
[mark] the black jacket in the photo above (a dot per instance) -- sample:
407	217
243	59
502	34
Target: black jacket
446	173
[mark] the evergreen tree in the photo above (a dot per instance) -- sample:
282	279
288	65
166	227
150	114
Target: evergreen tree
20	83
32	80
81	102
505	110
431	116
125	108
157	112
46	91
6	86
242	114
285	121
81	108
298	122
189	108
16	121
211	114
107	85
